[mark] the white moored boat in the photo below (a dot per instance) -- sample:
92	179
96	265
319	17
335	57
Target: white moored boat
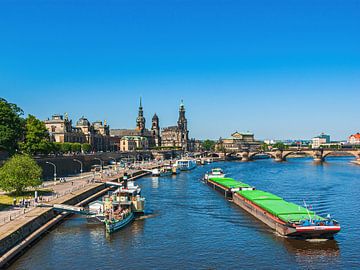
186	164
215	173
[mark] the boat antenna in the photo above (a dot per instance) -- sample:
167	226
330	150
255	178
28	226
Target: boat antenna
307	210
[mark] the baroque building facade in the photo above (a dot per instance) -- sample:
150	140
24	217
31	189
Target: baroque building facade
177	136
173	136
61	130
239	141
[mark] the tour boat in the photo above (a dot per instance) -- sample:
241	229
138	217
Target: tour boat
215	173
120	208
186	164
115	224
163	171
286	218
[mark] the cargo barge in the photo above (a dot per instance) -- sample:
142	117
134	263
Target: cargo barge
286	218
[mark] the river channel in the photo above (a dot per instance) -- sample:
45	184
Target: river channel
192	226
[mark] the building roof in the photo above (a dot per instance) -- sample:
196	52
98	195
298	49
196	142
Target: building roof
134	138
171	128
83	122
155	117
356	136
242	133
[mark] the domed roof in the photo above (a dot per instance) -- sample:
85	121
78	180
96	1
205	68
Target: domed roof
83	122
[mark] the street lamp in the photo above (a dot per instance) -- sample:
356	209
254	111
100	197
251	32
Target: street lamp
113	159
81	165
48	162
101	162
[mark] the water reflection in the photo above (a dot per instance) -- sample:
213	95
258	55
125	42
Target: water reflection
309	253
155	182
127	234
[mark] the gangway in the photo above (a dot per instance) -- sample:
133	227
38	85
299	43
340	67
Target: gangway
114	184
72	209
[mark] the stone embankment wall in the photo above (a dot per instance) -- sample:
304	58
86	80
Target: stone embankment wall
13	234
20	233
65	165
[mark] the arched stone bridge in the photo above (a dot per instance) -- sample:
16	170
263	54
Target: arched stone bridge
319	155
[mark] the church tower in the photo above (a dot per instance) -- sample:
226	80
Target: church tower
182	126
155	130
140	120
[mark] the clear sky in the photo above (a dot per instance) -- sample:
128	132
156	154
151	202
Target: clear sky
281	69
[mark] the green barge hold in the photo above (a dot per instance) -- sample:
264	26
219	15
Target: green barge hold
284	217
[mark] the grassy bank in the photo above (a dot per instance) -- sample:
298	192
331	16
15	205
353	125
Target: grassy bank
6	200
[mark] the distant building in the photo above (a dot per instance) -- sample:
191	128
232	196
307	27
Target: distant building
96	134
354	139
152	136
132	143
239	141
174	136
177	136
320	140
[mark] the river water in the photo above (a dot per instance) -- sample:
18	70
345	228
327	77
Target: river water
194	227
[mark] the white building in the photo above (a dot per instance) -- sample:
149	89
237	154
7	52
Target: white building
320	140
354	139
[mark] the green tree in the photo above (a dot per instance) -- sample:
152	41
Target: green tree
56	147
19	173
208	145
37	140
75	147
65	147
279	145
264	147
86	147
11	126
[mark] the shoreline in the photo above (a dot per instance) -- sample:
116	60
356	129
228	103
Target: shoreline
17	236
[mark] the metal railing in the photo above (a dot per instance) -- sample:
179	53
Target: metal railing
23	210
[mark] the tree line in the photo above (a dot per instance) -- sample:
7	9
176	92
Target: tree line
29	135
23	138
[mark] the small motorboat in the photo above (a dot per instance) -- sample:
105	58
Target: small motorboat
215	173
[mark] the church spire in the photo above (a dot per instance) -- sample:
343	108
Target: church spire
140	120
182	122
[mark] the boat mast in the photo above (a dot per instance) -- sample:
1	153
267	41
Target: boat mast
307	211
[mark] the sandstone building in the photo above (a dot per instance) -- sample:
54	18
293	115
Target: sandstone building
239	141
96	134
174	136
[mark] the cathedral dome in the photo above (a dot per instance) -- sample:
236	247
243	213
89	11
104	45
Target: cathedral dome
83	122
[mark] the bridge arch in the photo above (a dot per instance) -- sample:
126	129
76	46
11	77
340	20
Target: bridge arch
297	152
252	155
348	153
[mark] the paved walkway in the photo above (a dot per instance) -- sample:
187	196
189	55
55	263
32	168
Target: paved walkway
72	184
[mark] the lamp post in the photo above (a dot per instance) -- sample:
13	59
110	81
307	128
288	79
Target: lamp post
115	162
48	162
81	165
101	162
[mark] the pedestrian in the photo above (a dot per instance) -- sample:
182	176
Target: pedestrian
14	201
72	183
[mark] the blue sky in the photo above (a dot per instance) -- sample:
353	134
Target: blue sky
281	69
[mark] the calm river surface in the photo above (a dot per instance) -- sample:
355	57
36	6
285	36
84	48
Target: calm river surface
194	227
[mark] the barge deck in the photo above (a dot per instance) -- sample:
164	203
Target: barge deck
286	218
